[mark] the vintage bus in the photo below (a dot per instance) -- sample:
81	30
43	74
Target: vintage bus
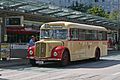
66	41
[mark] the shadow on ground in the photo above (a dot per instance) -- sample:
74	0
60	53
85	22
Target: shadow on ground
73	65
85	64
103	63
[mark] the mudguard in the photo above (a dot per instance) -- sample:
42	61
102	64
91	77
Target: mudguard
59	50
33	49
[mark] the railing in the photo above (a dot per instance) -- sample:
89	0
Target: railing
13	50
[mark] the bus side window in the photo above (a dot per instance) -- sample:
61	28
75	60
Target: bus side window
94	35
100	35
104	35
91	35
81	34
88	34
74	34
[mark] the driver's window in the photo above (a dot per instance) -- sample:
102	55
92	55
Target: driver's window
44	33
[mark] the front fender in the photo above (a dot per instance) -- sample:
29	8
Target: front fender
59	50
33	49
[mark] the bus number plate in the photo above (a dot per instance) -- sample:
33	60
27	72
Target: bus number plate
39	62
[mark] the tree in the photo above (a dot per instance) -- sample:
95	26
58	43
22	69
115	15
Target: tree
114	15
98	12
79	7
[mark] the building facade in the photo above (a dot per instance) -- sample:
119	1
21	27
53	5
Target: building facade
107	5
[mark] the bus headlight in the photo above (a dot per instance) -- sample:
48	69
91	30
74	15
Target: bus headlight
31	52
55	54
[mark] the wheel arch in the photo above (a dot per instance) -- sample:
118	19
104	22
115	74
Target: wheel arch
66	49
60	50
97	48
97	54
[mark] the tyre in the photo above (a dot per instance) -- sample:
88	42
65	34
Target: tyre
32	62
4	59
97	54
65	59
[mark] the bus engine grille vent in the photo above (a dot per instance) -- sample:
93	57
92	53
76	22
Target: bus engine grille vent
40	49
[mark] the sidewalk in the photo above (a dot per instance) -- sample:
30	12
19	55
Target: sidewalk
113	52
13	62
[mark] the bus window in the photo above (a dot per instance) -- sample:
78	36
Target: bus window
94	35
102	35
91	35
99	36
74	34
54	33
81	34
88	34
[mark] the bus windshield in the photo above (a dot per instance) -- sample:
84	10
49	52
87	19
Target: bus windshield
53	34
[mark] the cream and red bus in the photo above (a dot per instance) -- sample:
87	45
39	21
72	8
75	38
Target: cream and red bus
66	41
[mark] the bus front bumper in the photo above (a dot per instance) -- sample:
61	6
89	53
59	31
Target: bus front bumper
44	59
47	59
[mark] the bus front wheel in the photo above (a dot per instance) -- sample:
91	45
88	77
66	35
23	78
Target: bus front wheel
65	59
4	59
32	62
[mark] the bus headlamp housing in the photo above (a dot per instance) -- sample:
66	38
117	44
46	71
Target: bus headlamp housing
31	52
55	54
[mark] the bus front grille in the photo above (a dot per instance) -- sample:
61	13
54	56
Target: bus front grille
40	49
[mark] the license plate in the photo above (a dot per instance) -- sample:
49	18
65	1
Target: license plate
39	62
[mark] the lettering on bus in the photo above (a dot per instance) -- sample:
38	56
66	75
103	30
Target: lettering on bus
54	27
59	27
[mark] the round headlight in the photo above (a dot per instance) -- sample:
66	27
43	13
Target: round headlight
55	54
30	52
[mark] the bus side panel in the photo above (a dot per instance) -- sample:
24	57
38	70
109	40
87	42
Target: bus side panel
77	50
104	48
90	48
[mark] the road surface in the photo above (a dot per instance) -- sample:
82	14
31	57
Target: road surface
108	68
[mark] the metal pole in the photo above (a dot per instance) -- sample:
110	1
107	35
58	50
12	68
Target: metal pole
0	41
0	35
118	25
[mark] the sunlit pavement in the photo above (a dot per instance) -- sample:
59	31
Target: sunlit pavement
112	55
108	68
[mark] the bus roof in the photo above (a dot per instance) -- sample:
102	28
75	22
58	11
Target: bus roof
74	25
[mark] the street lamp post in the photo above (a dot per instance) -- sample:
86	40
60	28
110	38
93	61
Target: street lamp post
0	36
118	21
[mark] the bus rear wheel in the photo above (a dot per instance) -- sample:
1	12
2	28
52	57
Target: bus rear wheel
32	62
65	59
97	55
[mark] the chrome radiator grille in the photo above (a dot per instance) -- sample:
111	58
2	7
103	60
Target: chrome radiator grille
40	49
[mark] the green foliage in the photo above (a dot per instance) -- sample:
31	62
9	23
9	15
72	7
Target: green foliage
79	7
114	15
98	12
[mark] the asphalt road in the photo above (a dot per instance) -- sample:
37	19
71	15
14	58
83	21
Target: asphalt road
108	68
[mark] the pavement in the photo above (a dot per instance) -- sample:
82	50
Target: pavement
113	52
20	61
13	62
